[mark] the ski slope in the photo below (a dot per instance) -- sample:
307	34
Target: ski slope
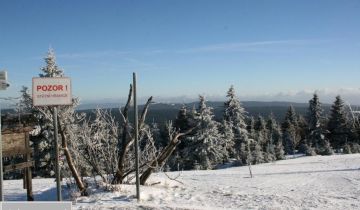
320	182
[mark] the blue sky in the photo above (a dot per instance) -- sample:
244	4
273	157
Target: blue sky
269	50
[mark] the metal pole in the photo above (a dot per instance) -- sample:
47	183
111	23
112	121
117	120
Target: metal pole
57	166
1	164
136	140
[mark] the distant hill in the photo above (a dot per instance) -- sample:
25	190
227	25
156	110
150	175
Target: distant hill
162	112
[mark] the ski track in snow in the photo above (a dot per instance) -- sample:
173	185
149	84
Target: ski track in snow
320	182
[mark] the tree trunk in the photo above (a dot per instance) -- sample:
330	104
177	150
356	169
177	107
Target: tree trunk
70	161
127	139
164	155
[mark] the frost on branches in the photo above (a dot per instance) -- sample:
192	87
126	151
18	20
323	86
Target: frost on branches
205	148
43	141
235	115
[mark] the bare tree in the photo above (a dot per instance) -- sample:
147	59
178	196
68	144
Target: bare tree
127	139
165	153
96	145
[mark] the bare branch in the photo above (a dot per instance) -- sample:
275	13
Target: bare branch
175	178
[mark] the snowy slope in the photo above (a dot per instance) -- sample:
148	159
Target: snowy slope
329	182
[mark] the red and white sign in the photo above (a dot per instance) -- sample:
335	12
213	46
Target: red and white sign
51	91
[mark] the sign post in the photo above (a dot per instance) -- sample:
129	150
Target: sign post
53	91
57	165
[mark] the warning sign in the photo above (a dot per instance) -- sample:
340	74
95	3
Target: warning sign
51	91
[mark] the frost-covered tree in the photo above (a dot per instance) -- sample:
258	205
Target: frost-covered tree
96	145
228	136
235	114
256	154
354	125
261	132
67	122
51	69
251	127
291	137
337	124
275	138
185	120
206	147
314	113
302	129
291	116
41	139
317	135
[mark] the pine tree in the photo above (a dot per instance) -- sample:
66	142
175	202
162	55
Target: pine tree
302	130
314	113
291	116
228	136
182	119
290	137
257	155
51	69
337	125
67	128
206	147
41	140
235	114
275	138
317	134
251	127
261	132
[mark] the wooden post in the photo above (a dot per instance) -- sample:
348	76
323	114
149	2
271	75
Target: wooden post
136	123
24	178
28	175
57	166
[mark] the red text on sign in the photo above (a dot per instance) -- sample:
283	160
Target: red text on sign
50	88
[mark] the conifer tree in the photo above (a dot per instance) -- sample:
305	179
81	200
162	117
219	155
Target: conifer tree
67	119
290	137
275	138
317	138
262	138
41	140
182	119
251	127
291	116
261	132
302	130
257	155
228	137
234	113
337	125
206	147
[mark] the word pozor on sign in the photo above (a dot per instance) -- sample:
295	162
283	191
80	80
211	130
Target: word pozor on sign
51	91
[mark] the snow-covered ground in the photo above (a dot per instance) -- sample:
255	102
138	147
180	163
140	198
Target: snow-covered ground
320	182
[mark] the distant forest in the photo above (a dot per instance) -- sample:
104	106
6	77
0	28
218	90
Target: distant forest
162	112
